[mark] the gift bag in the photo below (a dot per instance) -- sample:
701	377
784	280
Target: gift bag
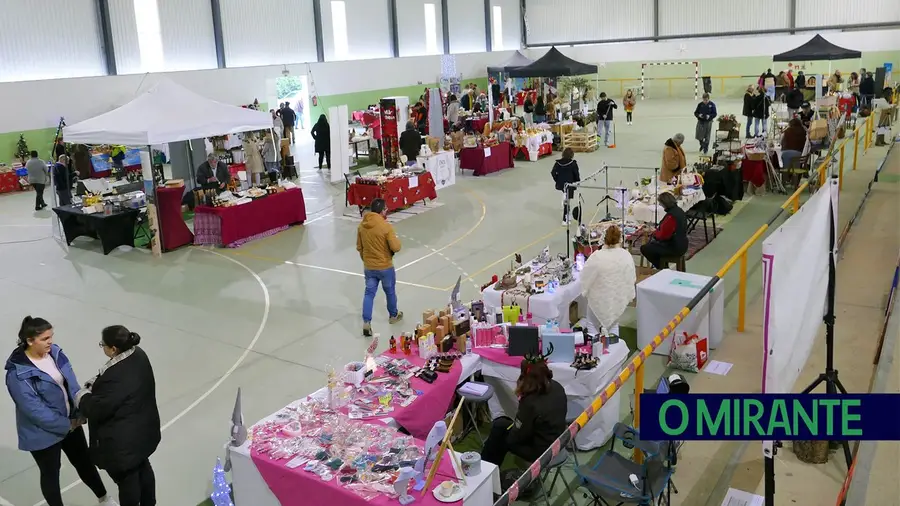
511	314
689	352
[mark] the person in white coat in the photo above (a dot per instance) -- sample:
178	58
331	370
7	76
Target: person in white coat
607	283
253	158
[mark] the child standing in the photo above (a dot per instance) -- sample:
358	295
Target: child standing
629	102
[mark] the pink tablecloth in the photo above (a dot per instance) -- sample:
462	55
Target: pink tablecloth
296	487
498	355
475	159
432	405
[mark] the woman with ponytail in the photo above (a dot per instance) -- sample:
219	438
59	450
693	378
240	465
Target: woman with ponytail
120	406
43	387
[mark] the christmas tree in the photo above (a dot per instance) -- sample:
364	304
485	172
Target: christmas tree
221	495
22	151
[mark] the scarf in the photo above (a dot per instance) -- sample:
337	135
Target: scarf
88	385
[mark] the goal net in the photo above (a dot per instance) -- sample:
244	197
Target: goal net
647	66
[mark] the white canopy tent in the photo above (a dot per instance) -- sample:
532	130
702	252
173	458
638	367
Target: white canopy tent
166	113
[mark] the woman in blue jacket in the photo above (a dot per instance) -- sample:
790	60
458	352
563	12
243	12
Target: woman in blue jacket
42	384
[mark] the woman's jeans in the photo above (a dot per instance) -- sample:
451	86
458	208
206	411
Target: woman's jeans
749	122
759	124
787	156
388	280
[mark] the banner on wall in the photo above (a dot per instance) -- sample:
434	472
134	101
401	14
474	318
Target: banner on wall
390	135
795	284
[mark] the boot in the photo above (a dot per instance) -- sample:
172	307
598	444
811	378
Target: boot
367	329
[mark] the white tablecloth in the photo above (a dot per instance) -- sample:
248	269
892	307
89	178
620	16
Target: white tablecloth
641	211
581	387
543	306
442	166
250	488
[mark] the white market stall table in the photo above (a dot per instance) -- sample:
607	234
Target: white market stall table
582	387
356	141
651	213
664	294
542	306
442	166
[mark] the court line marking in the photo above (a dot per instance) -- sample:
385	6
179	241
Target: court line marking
326	269
460	238
228	373
4	502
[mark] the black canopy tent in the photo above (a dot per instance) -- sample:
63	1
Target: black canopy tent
515	61
554	64
817	49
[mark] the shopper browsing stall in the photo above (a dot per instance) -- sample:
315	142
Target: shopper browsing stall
213	173
607	283
605	116
37	178
761	105
705	112
540	419
673	159
123	418
540	110
453	110
62	180
410	143
43	386
670	239
377	243
749	98
793	100
528	106
565	172
288	118
867	89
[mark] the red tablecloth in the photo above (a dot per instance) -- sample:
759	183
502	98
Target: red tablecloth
544	150
474	159
396	192
754	171
9	182
478	124
175	232
241	224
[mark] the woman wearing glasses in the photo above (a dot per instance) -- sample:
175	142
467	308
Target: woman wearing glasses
120	406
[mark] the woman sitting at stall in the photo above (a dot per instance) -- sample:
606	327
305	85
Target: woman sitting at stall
607	283
793	141
540	419
670	239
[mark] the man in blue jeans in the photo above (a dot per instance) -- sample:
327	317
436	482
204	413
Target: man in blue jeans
377	243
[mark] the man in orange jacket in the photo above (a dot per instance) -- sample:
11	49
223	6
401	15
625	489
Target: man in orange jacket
377	243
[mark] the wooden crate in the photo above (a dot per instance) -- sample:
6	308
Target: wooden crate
580	142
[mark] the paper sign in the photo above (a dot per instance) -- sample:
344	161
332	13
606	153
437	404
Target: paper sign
716	367
685	283
414	182
740	498
487	152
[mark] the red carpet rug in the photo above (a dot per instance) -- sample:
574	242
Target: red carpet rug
697	239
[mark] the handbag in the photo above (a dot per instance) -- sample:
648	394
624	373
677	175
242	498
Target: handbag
689	352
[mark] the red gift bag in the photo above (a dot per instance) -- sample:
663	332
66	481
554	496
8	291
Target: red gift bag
689	352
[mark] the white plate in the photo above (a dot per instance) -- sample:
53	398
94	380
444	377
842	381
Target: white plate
458	496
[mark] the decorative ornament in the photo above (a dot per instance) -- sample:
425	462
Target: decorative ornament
221	495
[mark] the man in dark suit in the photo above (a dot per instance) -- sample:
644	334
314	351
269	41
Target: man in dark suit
213	173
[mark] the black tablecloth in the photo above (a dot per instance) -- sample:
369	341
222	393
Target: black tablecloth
113	230
722	181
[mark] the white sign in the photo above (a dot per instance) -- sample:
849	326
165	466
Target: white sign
442	166
487	152
414	182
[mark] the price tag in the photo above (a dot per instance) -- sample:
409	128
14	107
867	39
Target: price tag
414	182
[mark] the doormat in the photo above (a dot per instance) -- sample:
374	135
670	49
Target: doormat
352	214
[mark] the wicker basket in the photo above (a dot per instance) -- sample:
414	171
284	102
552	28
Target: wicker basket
727	125
811	452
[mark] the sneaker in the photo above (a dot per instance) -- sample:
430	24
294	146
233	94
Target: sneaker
394	319
367	329
108	501
565	223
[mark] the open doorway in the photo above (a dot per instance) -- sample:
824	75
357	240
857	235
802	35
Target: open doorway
294	90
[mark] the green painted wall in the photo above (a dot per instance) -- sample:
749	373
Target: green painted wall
40	140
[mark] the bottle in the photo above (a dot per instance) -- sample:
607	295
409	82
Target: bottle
468	344
393	345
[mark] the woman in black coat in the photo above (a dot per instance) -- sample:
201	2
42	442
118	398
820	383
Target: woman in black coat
410	143
670	239
565	170
321	132
748	109
120	406
761	104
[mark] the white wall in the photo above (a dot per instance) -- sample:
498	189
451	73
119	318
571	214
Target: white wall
31	105
466	26
267	32
552	21
686	17
411	27
368	30
833	12
46	39
730	47
186	32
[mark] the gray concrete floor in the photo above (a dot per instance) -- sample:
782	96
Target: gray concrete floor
216	320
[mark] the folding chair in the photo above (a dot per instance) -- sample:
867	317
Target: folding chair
700	212
608	481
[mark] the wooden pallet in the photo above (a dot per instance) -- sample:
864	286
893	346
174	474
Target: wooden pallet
580	142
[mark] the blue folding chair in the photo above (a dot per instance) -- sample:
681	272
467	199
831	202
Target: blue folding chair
608	481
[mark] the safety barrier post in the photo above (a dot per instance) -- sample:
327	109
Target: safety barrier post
638	390
822	170
841	169
796	206
856	145
867	134
742	293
